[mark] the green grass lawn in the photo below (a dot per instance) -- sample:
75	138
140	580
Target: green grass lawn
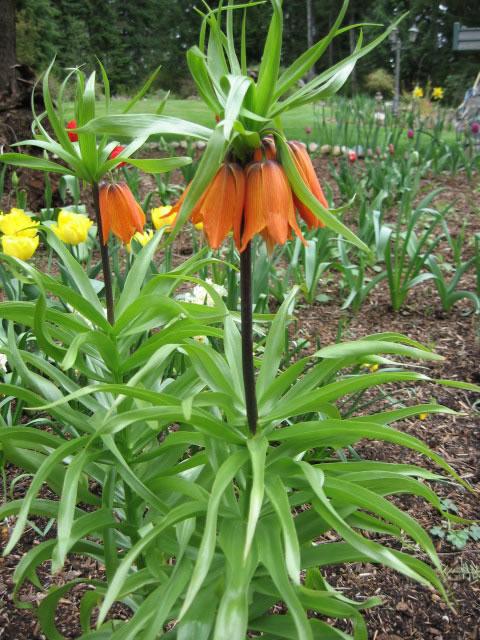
295	122
196	111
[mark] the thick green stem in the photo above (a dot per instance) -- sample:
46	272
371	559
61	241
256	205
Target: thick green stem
247	337
107	274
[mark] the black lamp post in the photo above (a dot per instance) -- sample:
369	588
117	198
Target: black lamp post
396	42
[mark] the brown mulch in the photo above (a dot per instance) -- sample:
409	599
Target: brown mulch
410	612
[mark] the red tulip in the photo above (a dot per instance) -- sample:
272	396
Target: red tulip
72	124
116	151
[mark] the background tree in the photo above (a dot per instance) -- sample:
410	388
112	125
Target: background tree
7	48
132	38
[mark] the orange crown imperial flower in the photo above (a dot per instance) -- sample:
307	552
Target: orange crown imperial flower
120	212
269	208
220	208
257	199
307	171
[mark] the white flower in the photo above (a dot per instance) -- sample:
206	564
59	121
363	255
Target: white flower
379	116
312	147
200	295
3	362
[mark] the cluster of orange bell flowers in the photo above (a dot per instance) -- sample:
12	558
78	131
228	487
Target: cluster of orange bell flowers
250	200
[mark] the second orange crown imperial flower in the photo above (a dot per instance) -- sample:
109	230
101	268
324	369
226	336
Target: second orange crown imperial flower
120	212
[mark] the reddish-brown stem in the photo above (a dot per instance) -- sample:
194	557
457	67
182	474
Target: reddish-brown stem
107	274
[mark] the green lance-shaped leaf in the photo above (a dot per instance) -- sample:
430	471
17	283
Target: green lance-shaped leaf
345	493
304	194
270	64
275	627
75	271
272	556
47	609
223	478
68	502
136	276
57	125
197	65
304	63
307	401
334	553
257	448
331	432
275	346
236	91
86	112
278	496
32	162
168	596
211	367
361	348
175	515
159	165
233	610
145	125
139	95
200	618
233	354
377	552
42	474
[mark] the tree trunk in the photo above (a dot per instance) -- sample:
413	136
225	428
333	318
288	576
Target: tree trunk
7	48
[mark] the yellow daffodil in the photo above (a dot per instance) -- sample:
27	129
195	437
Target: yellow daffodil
417	92
72	228
142	238
161	217
371	367
437	93
22	247
18	223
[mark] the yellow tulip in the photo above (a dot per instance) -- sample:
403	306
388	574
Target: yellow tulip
22	247
161	217
437	93
18	223
142	238
417	92
72	228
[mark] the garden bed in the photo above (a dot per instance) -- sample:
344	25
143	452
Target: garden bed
410	612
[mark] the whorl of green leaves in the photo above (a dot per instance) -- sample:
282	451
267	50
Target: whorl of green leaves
248	109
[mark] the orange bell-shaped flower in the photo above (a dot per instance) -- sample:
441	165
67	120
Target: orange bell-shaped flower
120	212
221	205
307	171
269	208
